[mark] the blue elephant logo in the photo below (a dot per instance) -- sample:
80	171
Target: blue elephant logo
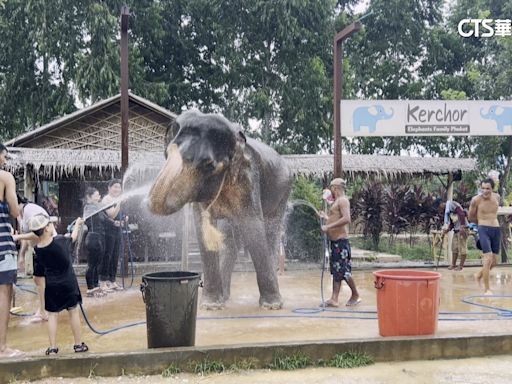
369	116
501	115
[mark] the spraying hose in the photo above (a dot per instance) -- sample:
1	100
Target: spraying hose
326	196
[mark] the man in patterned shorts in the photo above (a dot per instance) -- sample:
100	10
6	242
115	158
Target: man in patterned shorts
337	229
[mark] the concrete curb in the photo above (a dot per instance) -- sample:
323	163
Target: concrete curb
155	361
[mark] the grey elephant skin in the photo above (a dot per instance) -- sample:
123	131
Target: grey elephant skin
243	183
502	119
362	117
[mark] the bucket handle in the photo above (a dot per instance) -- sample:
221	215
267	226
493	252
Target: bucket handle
378	284
143	287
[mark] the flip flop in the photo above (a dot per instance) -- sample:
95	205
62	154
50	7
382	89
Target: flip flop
351	303
38	319
329	303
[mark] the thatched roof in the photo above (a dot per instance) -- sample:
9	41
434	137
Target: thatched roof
99	127
56	163
387	166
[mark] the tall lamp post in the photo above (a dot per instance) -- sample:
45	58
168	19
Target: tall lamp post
125	14
338	81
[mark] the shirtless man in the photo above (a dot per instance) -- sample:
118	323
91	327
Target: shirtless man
336	228
8	262
484	212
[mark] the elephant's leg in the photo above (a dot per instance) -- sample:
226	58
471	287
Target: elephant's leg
274	231
255	240
228	259
212	279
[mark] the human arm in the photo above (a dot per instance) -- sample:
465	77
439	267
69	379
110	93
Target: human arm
473	210
447	212
114	210
10	193
76	229
29	236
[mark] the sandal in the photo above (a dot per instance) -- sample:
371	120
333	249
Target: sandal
51	350
95	292
80	347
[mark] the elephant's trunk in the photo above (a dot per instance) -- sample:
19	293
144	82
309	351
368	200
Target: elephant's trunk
173	185
484	115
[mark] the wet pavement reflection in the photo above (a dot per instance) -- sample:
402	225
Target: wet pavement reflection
242	321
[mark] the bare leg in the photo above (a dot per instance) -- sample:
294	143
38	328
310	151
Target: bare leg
336	288
487	262
21	263
462	260
478	277
354	299
494	260
53	318
74	320
455	256
40	282
5	304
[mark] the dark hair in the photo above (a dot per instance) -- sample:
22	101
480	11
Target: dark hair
3	147
39	232
113	182
90	191
488	181
21	199
437	203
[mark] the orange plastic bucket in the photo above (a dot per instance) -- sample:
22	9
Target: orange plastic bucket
407	302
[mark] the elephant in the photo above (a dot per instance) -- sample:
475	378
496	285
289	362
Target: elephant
241	184
503	119
366	117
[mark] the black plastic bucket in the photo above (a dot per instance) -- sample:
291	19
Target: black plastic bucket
171	308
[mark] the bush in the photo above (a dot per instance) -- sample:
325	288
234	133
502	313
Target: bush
303	239
370	205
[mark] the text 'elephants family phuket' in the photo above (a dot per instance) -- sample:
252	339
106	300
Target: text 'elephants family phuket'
425	118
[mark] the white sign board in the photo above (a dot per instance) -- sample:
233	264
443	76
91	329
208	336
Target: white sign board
425	118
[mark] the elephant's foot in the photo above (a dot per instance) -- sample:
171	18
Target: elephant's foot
271	304
212	304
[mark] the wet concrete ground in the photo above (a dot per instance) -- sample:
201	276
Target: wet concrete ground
242	321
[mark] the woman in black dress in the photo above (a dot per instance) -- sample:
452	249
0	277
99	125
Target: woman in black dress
94	241
61	291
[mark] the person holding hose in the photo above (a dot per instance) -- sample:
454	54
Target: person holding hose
455	220
337	229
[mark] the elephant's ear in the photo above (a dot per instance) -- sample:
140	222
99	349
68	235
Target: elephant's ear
239	161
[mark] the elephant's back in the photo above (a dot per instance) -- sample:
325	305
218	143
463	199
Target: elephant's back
275	177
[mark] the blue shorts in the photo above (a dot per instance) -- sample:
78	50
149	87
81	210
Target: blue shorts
341	260
489	238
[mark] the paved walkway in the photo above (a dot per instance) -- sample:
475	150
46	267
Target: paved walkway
490	370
